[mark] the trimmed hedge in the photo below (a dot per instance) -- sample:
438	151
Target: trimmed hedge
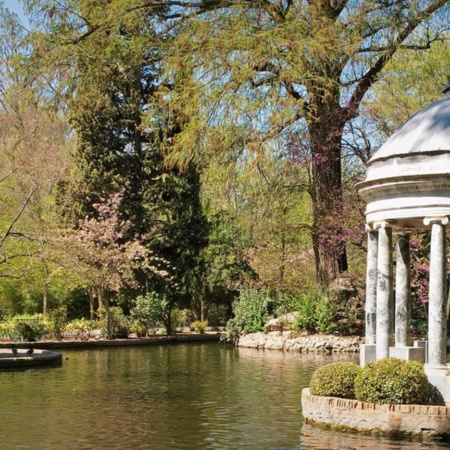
335	380
392	381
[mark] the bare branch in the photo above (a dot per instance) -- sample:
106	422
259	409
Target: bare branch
372	74
25	203
6	259
385	49
7	175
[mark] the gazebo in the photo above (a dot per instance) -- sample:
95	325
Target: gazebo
407	188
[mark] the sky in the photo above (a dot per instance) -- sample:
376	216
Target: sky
16	7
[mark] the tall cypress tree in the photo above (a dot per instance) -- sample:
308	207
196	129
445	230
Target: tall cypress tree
122	128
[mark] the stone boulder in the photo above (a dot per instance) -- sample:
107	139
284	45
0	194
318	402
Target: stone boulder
282	323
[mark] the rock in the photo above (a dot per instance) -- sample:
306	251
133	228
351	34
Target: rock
312	343
274	325
281	323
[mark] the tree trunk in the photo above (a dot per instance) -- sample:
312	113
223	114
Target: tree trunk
91	303
103	301
45	293
168	321
107	318
326	129
203	297
283	258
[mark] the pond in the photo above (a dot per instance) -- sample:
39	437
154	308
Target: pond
170	397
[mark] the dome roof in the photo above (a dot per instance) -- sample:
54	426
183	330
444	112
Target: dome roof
409	177
426	131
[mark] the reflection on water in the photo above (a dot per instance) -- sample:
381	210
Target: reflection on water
175	397
317	438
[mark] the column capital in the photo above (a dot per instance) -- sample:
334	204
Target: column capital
443	220
381	224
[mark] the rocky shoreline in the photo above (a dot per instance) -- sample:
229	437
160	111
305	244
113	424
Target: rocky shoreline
291	341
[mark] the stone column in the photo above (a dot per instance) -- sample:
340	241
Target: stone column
385	296
437	304
403	291
371	286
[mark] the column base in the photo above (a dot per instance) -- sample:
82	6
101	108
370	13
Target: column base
424	345
408	353
367	353
439	376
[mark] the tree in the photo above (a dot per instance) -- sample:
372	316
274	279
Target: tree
245	73
295	71
35	145
263	212
102	256
412	81
114	55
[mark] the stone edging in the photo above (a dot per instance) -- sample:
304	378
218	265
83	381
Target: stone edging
38	358
339	413
92	343
289	341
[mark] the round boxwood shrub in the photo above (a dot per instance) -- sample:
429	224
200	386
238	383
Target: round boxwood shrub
393	381
335	380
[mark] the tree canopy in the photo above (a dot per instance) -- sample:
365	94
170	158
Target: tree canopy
232	130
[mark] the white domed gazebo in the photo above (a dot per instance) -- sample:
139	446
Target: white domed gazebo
408	188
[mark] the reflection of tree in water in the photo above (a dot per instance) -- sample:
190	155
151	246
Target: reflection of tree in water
314	437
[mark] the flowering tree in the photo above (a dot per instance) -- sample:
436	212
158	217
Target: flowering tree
102	256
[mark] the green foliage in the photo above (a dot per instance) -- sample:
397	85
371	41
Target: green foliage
118	73
82	326
335	380
119	324
278	119
251	312
139	328
217	315
142	311
392	381
266	90
313	311
199	327
155	308
25	328
77	301
413	80
419	326
231	333
56	321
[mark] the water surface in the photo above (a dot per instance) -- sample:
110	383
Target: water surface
172	397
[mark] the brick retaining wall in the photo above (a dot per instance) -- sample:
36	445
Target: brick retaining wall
393	419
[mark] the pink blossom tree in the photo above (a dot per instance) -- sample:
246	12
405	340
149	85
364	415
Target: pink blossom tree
104	258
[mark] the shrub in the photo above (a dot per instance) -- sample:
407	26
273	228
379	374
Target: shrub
119	325
313	311
25	328
199	327
335	380
156	308
231	333
251	312
140	329
81	326
56	321
393	381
